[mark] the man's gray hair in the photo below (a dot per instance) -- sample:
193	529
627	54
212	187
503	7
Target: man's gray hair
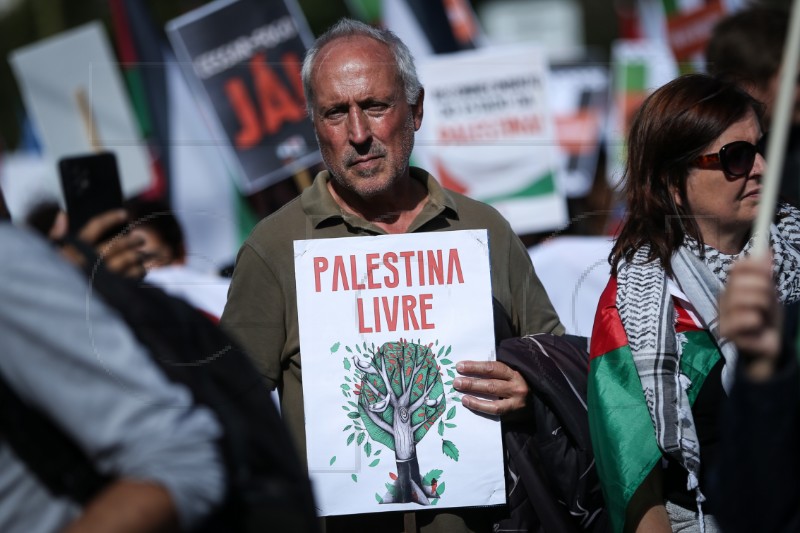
353	28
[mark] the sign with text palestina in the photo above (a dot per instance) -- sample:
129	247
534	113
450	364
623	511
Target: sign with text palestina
383	322
488	133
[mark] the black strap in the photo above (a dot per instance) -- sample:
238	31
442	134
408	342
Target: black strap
52	456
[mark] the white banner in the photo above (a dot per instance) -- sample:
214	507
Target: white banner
488	133
73	90
383	322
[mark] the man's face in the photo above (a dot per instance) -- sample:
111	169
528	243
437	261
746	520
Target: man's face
364	126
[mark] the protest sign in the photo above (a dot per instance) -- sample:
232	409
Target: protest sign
383	322
640	67
72	88
578	100
244	59
488	133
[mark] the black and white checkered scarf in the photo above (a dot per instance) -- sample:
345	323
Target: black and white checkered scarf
648	316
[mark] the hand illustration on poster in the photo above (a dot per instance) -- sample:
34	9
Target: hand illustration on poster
400	395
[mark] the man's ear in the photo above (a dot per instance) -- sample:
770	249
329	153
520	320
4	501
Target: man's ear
416	109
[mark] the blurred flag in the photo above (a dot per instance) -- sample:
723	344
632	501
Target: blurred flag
139	49
426	26
200	188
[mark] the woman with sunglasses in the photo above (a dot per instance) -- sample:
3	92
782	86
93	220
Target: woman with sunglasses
659	370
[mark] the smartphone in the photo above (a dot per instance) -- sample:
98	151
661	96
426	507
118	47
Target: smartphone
91	186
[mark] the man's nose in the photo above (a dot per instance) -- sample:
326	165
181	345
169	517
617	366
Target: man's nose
358	126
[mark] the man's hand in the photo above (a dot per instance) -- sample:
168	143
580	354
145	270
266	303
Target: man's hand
491	378
119	253
750	316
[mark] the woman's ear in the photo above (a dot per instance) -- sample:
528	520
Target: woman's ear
676	195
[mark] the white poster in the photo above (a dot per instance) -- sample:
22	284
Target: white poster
383	322
488	133
73	89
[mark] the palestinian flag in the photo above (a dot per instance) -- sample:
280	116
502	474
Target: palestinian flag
623	437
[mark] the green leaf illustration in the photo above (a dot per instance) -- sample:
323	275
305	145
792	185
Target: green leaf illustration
457	399
353	436
333	459
450	450
451	413
348	349
346	408
358	348
347	427
440	489
440	352
378	497
435	473
335	348
378	452
353	404
451	373
391	489
441	428
448	350
446	362
375	463
345	386
450	425
346	363
354	477
368	449
360	438
353	415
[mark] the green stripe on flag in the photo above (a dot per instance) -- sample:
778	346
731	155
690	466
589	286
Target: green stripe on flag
370	11
539	187
670	6
631	76
139	101
622	432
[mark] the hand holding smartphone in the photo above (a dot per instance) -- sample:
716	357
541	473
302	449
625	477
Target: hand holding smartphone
91	187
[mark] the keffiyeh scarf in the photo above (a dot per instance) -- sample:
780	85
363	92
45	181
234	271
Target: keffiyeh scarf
648	316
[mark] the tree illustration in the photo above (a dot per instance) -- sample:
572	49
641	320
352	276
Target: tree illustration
401	397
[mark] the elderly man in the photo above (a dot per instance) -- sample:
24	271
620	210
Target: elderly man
365	101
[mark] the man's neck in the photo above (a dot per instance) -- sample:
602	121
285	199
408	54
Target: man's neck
393	211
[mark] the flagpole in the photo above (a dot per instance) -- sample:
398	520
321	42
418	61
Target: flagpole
85	111
302	179
776	148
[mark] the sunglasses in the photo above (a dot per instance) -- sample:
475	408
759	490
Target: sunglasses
736	158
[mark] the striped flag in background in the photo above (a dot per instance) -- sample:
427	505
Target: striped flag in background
193	177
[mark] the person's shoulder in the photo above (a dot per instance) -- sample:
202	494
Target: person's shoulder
16	240
475	212
277	226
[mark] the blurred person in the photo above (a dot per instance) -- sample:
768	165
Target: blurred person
757	481
747	47
366	102
659	368
163	253
114	408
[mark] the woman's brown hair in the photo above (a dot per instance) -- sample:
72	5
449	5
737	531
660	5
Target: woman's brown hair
673	127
